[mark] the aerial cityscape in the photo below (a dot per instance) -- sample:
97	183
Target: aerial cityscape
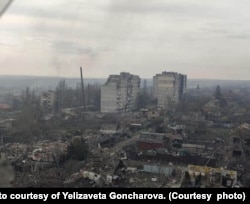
125	131
125	94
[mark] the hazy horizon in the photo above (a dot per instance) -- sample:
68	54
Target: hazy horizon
78	77
20	82
201	39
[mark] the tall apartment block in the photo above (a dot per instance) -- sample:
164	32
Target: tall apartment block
168	88
47	100
120	93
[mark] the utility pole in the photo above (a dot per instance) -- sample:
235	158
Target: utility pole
83	97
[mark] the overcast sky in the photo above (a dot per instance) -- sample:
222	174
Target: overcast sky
202	39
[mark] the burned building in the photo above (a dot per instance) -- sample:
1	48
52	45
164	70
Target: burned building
109	134
48	100
207	177
240	142
168	88
194	148
149	140
110	129
39	155
119	93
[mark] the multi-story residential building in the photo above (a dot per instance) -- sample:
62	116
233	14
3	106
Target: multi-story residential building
168	88
48	100
119	93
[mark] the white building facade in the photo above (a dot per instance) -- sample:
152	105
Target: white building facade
168	88
120	93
